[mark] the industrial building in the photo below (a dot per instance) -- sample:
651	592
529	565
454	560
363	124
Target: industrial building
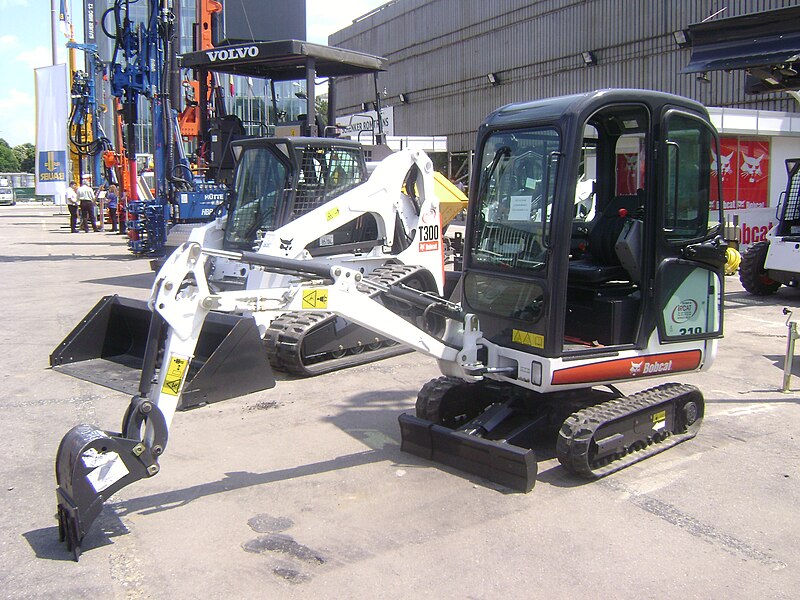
451	63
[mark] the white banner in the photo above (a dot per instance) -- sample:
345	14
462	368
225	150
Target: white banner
367	122
52	110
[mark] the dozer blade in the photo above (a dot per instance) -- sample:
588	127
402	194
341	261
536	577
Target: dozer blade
502	463
90	466
107	347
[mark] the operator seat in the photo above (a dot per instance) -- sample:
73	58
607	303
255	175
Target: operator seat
602	263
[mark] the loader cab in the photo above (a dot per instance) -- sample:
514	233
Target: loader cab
593	225
279	179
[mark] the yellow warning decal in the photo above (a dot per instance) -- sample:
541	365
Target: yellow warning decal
175	373
526	338
659	417
315	299
332	214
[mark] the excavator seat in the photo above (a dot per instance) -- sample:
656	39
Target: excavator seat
603	263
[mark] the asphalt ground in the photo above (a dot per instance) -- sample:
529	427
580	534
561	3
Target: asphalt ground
302	491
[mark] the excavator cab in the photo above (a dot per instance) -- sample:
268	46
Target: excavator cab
582	273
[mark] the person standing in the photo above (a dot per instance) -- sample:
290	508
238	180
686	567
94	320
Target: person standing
72	206
111	204
86	199
122	211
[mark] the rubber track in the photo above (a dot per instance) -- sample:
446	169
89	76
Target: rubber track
284	336
577	433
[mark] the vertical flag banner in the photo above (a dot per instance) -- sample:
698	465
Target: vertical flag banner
51	130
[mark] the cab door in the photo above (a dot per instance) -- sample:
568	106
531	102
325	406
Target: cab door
688	290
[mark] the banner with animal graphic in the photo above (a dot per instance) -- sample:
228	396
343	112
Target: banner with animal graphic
743	168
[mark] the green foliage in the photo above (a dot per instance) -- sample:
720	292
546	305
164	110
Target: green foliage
8	160
321	106
26	155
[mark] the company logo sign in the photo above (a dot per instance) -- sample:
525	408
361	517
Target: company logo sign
224	54
52	166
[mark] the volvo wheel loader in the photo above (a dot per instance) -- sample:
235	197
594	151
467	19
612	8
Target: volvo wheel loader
292	198
558	301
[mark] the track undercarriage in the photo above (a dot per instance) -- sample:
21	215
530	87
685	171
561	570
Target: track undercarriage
491	429
312	343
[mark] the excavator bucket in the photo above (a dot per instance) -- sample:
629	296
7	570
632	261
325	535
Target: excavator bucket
92	464
500	462
107	347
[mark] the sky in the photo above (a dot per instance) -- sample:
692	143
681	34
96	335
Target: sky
25	39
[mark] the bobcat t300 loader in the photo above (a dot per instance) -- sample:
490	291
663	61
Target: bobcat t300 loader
559	300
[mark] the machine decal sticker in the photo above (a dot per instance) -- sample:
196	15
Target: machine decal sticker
527	339
332	214
684	311
629	368
175	373
428	238
659	420
315	299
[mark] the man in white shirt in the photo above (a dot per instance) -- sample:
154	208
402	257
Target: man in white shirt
86	198
72	206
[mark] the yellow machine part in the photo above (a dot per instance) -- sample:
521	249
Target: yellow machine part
451	199
733	258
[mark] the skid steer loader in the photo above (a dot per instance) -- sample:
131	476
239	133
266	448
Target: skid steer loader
775	261
558	300
295	198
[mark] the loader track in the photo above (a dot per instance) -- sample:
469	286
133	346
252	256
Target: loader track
610	436
287	337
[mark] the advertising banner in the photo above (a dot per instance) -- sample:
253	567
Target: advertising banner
744	171
51	130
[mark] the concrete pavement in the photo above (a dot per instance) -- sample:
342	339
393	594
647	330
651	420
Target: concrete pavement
302	491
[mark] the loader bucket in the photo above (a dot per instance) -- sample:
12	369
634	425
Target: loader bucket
107	348
92	464
502	463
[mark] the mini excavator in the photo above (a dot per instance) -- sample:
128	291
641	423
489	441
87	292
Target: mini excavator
561	297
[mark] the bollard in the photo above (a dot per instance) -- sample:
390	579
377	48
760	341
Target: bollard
792	337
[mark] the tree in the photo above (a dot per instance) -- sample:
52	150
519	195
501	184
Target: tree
321	106
26	155
8	160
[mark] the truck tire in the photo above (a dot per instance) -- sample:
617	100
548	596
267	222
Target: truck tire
752	273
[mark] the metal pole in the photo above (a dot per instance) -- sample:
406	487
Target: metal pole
793	335
54	29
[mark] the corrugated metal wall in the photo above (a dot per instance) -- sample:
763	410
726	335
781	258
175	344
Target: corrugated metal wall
440	52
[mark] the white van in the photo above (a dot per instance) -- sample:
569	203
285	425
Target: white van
7	195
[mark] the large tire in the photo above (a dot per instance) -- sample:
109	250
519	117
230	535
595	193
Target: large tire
752	273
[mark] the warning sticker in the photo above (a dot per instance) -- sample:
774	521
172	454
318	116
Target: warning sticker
332	214
315	299
659	420
175	373
526	338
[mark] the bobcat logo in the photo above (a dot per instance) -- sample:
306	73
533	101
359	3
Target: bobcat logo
751	167
636	368
724	168
286	244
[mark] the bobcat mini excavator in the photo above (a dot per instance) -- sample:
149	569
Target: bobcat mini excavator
553	307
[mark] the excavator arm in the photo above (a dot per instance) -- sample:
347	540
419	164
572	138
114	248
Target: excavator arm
92	464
